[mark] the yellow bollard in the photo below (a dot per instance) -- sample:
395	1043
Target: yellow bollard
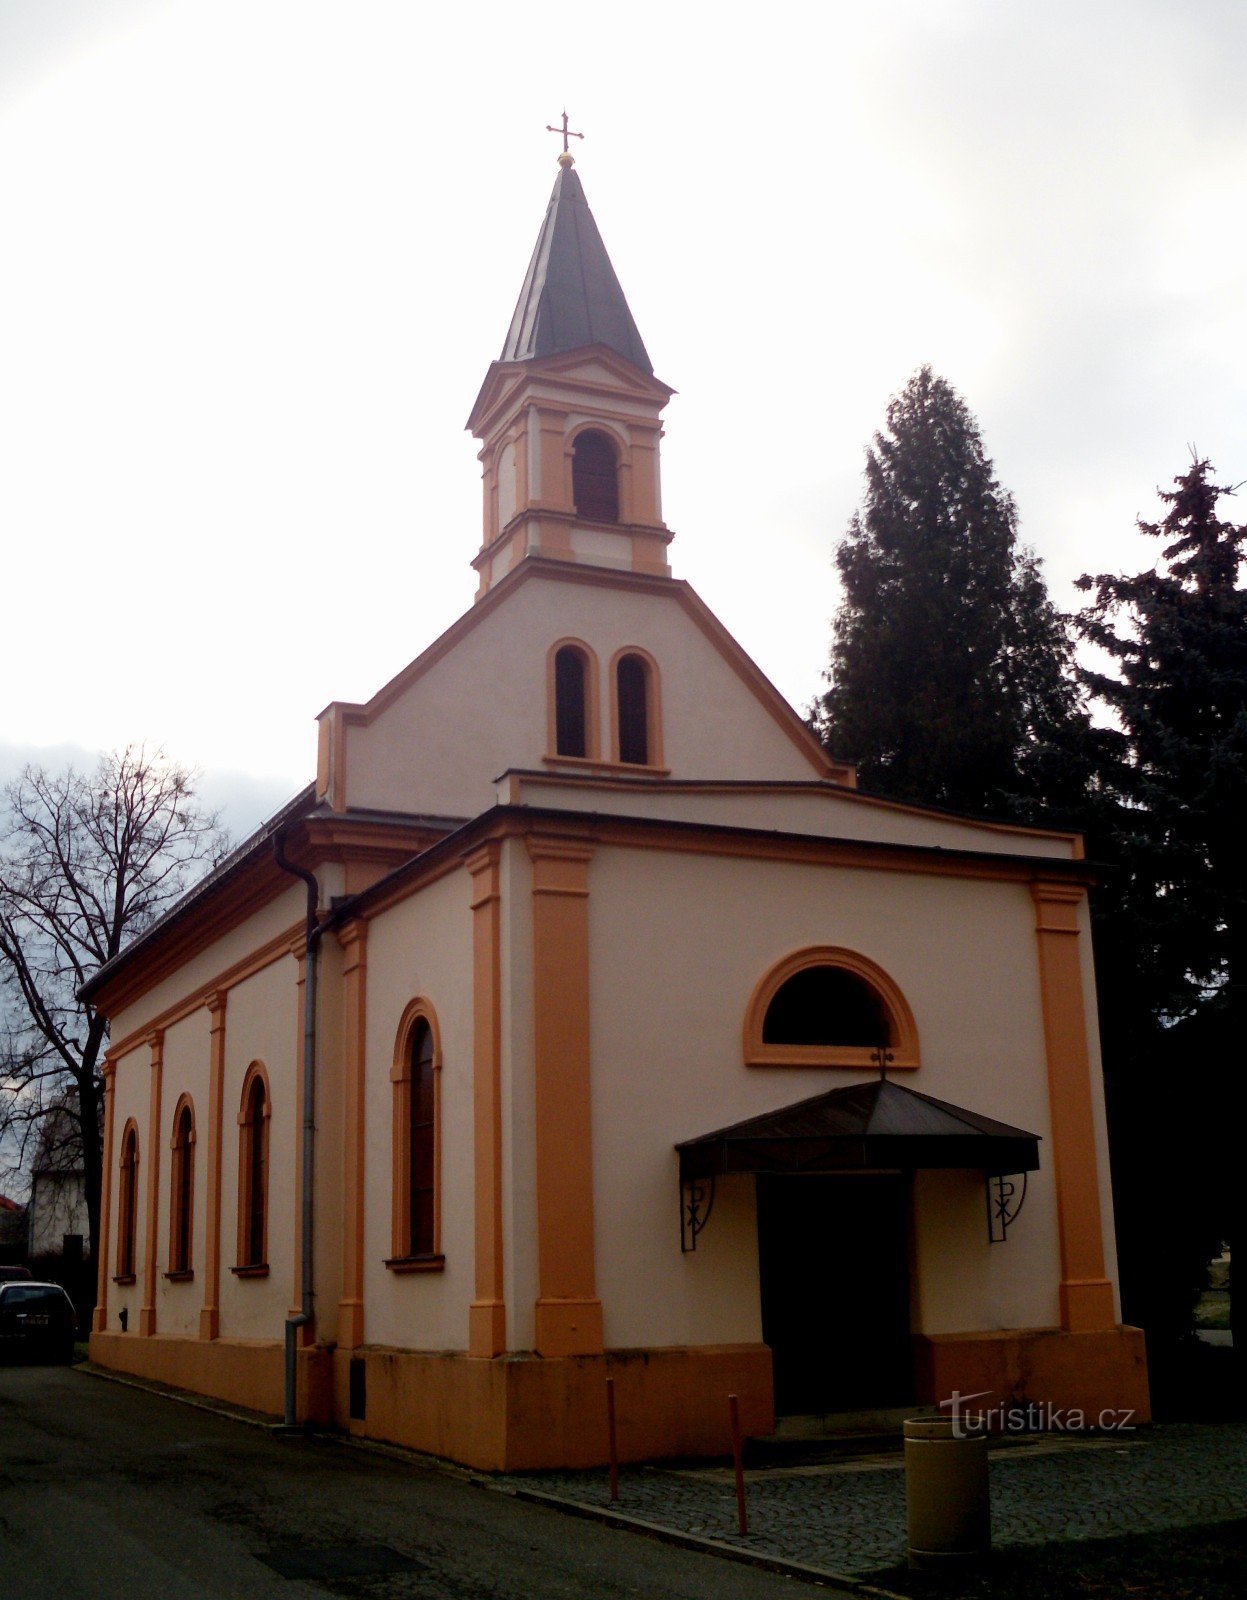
946	1497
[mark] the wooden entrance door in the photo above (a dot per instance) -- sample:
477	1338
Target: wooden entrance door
834	1267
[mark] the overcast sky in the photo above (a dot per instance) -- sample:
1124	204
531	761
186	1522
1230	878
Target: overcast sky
258	254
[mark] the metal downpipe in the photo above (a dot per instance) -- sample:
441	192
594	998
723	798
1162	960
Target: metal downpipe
307	1185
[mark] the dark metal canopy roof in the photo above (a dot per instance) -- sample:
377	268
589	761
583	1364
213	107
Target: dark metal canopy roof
868	1125
571	297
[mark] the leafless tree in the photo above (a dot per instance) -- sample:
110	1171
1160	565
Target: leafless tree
88	861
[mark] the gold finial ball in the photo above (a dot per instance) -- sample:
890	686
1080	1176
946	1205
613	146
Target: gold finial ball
566	159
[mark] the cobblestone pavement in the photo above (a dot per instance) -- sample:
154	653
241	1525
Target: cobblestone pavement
850	1516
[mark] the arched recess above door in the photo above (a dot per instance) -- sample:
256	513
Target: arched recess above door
826	1006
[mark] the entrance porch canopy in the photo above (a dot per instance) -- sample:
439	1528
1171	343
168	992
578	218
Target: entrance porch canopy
877	1125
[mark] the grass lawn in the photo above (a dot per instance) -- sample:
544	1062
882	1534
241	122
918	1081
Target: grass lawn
1205	1563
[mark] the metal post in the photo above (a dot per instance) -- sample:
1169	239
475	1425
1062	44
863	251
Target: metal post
742	1518
611	1440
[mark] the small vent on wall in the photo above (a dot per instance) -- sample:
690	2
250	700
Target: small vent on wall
359	1388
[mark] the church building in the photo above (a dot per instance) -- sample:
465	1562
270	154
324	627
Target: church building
583	1020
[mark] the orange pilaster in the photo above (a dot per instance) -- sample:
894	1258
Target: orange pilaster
354	941
487	1315
210	1311
568	1311
298	949
99	1317
147	1312
1086	1293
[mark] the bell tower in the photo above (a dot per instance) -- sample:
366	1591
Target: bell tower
569	415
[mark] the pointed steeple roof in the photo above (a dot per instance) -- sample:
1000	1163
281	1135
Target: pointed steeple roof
571	296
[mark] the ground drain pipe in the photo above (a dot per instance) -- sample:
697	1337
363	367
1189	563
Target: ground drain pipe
293	1324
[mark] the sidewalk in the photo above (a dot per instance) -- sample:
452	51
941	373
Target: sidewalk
849	1517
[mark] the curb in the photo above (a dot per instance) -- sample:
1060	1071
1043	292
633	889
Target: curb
695	1541
574	1508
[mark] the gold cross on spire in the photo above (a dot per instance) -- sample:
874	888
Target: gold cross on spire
566	159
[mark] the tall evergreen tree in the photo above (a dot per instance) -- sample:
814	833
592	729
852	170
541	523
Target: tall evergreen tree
1171	932
949	678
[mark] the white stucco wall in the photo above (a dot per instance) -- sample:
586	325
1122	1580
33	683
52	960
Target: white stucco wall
262	1023
421	948
678	943
482	707
186	1071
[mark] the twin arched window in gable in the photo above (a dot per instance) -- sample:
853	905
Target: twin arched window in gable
128	1204
416	1079
182	1191
829	1007
254	1117
636	734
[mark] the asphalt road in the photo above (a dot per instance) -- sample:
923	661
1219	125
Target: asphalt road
107	1490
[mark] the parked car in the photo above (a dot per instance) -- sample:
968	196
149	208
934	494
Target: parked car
37	1320
14	1274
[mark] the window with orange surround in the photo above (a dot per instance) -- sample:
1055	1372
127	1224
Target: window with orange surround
829	1007
182	1191
595	477
254	1119
416	1079
636	724
128	1204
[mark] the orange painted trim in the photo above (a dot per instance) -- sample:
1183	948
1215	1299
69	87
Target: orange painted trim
181	1191
487	1315
276	949
510	385
653	712
811	786
1086	1295
417	1010
249	1202
210	1311
1094	1372
318	839
592	700
147	1312
902	1031
99	1316
354	941
568	1313
306	1332
608	769
128	1203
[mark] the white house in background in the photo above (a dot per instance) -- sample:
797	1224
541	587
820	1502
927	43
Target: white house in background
645	1045
56	1215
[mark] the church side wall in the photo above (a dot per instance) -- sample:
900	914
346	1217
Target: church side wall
421	948
284	915
260	1027
185	1069
678	943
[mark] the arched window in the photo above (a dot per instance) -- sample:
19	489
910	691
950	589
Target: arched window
632	710
571	702
253	1141
182	1190
416	1080
829	1007
595	477
127	1204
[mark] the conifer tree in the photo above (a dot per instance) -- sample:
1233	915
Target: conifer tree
1171	935
949	678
